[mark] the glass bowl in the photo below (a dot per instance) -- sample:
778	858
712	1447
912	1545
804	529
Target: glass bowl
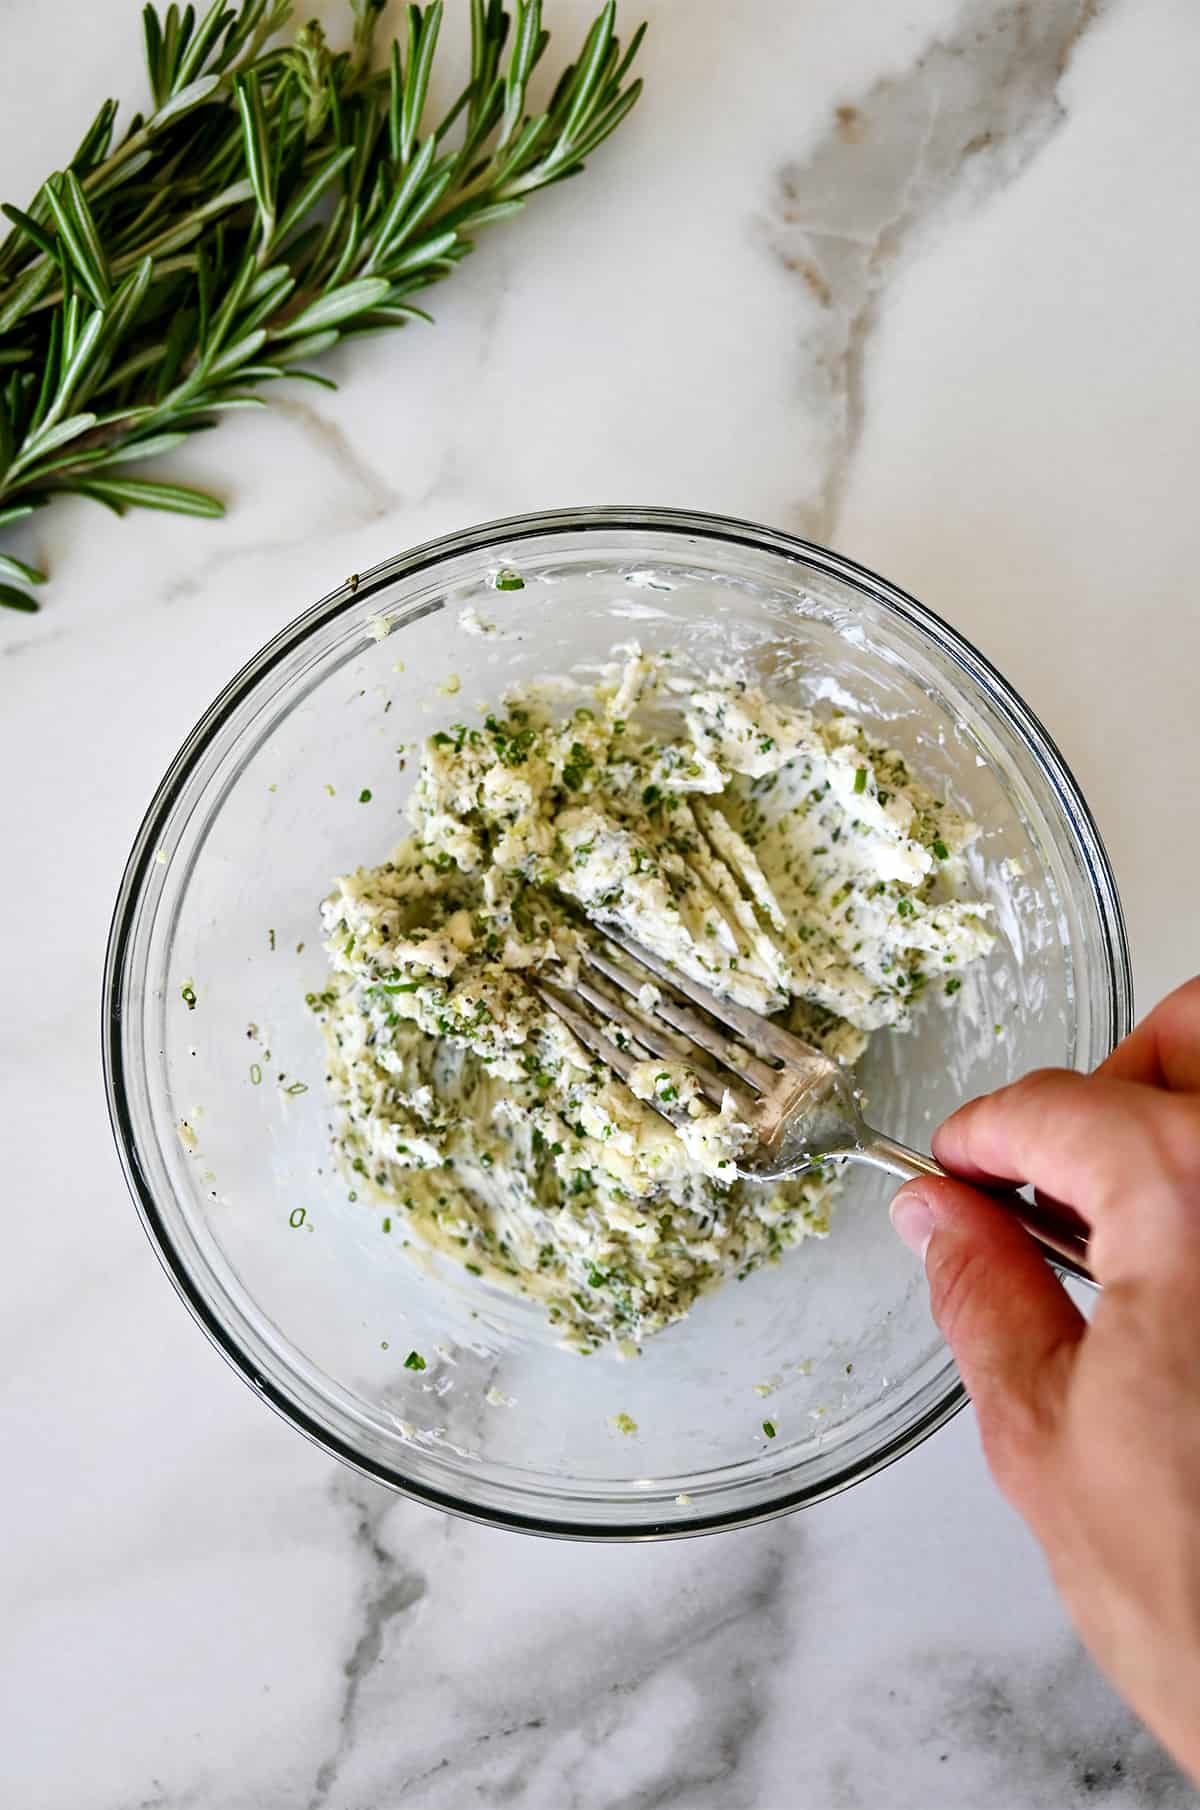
216	940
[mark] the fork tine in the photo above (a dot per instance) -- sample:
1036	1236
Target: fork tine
713	1085
592	1038
612	1010
759	1033
747	1067
622	1062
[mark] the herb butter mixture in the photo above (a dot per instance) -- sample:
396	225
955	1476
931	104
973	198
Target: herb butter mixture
791	863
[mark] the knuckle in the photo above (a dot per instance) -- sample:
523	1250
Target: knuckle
1032	1086
1182	1007
1009	1112
1011	1434
1163	1158
1019	1422
1177	1138
1014	1445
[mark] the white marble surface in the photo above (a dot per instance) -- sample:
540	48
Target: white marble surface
951	330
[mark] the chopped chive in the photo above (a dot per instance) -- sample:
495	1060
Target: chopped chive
768	1427
414	1361
387	1225
953	984
473	1268
188	995
364	796
940	850
297	1216
255	1073
508	580
297	1087
860	780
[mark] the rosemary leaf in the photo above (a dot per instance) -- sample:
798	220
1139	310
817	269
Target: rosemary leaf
12	599
16	568
126	493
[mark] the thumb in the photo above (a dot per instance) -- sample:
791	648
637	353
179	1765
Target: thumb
1011	1325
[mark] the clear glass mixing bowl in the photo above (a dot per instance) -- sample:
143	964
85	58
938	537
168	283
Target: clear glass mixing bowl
226	1149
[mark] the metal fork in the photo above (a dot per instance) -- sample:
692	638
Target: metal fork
801	1105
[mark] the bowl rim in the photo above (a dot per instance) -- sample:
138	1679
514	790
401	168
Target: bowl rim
507	532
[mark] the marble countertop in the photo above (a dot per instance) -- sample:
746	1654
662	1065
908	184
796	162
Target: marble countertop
915	279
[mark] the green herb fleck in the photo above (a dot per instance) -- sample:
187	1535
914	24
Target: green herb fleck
508	580
414	1361
579	762
953	984
768	1427
860	779
188	994
940	850
297	1217
364	796
255	1074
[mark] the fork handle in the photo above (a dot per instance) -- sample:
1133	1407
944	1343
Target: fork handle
1062	1234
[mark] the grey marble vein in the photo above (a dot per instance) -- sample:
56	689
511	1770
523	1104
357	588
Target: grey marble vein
162	1799
719	1653
373	495
961	124
43	637
1039	1735
390	1589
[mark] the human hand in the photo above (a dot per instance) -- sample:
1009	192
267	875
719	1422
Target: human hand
1092	1431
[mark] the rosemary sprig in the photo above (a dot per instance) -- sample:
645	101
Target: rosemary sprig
274	201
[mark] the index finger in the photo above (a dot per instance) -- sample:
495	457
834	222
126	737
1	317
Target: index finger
1164	1050
1100	1145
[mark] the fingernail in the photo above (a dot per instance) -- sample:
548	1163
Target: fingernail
913	1221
